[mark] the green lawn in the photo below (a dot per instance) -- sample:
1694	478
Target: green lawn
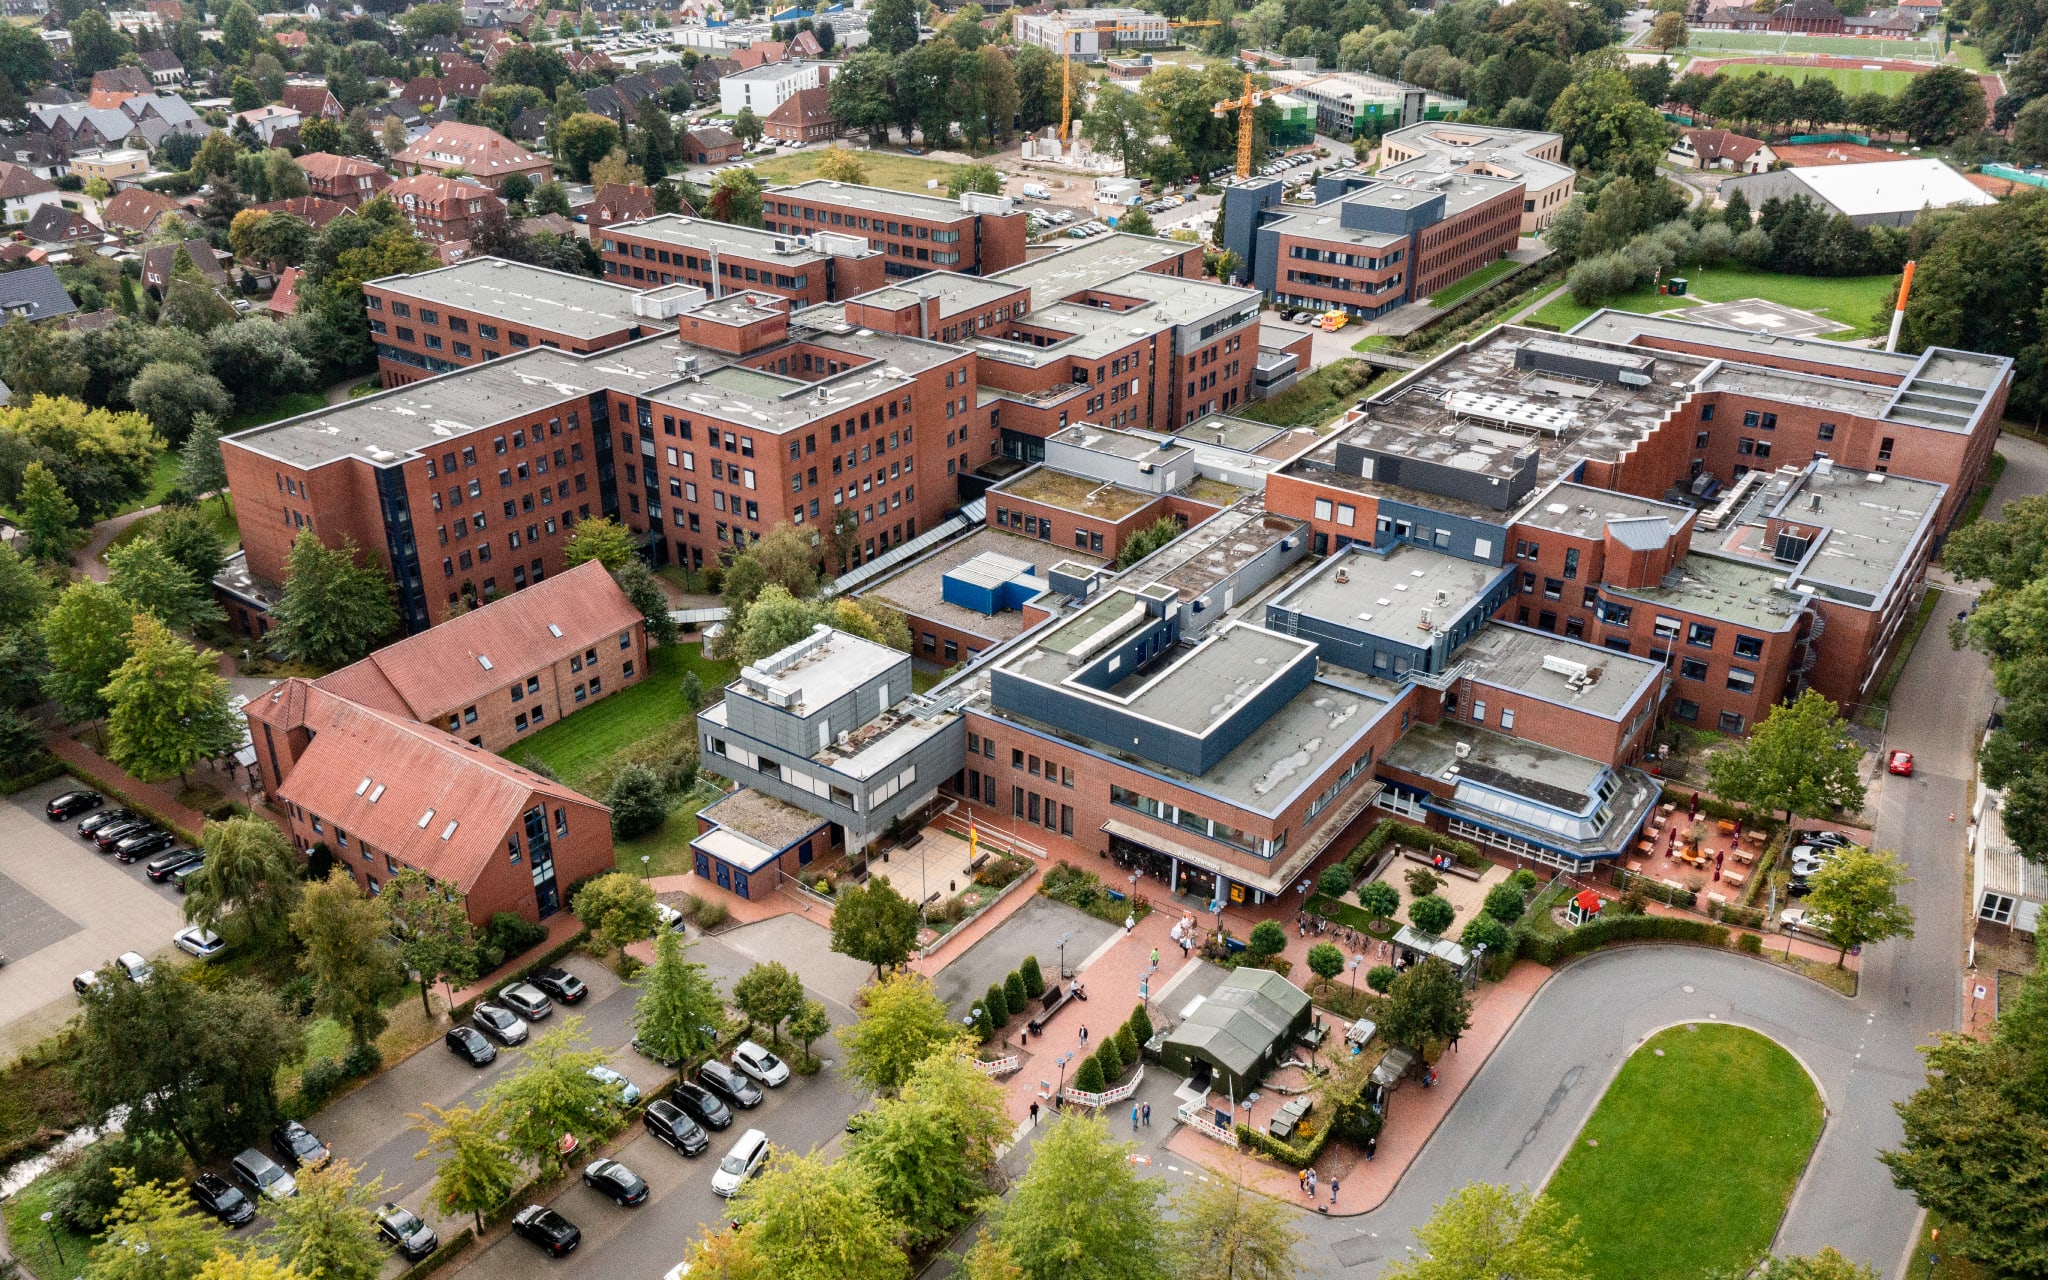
1926	1249
1970	56
32	1240
587	747
1687	1164
162	479
1473	283
1705	42
885	169
290	406
667	849
1853	300
1850	80
215	511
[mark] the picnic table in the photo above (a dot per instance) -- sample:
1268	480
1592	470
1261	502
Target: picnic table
1735	878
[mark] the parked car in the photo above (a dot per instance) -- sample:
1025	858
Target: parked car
298	1145
1800	920
222	1199
672	1126
262	1175
546	1228
561	984
106	817
405	1230
142	844
760	1064
72	803
470	1045
85	982
161	866
183	876
913	151
669	917
746	1159
628	1092
115	832
133	967
201	943
1823	839
702	1105
1900	763
613	1179
526	1000
497	1021
729	1085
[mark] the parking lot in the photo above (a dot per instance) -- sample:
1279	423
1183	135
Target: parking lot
64	909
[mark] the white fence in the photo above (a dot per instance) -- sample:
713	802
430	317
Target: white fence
1117	1094
1000	1067
1191	1116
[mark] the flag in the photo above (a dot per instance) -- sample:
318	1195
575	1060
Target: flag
973	839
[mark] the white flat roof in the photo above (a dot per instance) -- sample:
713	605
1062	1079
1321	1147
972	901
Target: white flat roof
1892	186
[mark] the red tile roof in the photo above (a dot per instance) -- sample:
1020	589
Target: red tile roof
285	301
441	669
483	153
1711	145
317	210
17	181
324	164
805	108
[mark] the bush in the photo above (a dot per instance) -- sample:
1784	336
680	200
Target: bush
83	1200
1601	931
1088	1079
1140	1024
1421	882
1034	981
507	935
1380	899
1432	914
1486	930
1325	960
1504	903
997	1004
679	772
1524	881
1334	882
1013	992
638	802
1381	977
1112	1059
319	1082
1752	943
1127	1044
362	1060
295	994
1267	939
712	913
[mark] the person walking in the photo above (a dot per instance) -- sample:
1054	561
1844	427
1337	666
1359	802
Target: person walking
1155	957
1333	1191
1134	1119
1311	1183
1147	1109
1084	1037
1034	1115
1301	1179
1130	923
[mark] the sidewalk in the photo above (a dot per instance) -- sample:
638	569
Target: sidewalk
160	797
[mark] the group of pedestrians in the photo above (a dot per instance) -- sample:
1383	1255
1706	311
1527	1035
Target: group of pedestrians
1307	1180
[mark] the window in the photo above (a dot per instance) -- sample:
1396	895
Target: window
1479	712
1827	431
1731	722
1700	635
1741	681
1571	562
1749	646
1507	717
1688	711
1692	668
1706	413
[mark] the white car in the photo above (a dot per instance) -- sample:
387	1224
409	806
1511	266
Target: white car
133	967
1800	920
760	1064
670	917
628	1092
195	941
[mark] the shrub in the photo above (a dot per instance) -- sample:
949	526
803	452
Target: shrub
1127	1044
82	1201
712	913
1112	1060
1431	914
513	933
1034	981
639	803
1486	930
997	1004
1600	932
362	1060
1421	882
678	773
1334	882
1013	992
1140	1024
1267	939
295	994
1524	881
1504	903
1088	1079
1325	960
1380	899
319	1082
1752	943
1381	978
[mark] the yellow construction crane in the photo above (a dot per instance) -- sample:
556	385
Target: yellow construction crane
1117	30
1245	107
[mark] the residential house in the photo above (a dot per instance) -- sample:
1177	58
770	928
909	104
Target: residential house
709	144
158	261
482	153
705	76
292	39
343	179
592	61
22	192
112	88
53	224
318	211
268	120
618	202
312	102
461	78
165	70
119	168
441	210
764	88
137	211
1721	149
805	117
530	125
34	293
284	302
760	54
36	152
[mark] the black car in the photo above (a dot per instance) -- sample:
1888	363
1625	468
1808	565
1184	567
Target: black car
624	1186
104	818
115	832
405	1231
72	803
500	1023
703	1106
673	1126
142	844
469	1044
297	1144
526	1000
1822	839
546	1228
561	984
730	1085
161	866
222	1199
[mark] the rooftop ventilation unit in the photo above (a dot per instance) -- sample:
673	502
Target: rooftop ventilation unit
1569	668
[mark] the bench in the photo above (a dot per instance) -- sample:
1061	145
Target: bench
1052	1002
977	864
1455	869
1735	878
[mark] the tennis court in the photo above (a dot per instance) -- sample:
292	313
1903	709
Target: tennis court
1850	80
1873	48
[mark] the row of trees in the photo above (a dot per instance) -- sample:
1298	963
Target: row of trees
1938	106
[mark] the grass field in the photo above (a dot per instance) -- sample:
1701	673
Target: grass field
1853	300
1687	1164
1459	290
587	747
290	406
1873	50
1851	81
1316	398
885	169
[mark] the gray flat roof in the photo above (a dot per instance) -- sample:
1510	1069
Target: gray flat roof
1544	774
519	293
1217	548
817	670
1116	443
1871	527
726	237
918	588
1512	658
1583	511
1091	263
874	200
1719	587
1387	595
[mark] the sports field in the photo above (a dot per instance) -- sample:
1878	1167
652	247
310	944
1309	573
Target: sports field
1852	81
1872	48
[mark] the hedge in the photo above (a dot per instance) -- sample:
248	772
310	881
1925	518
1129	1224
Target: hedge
1285	1152
1731	913
1354	863
49	767
575	940
1601	931
440	1257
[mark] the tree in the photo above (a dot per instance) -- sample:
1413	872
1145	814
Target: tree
603	539
1325	960
1136	222
582	140
1034	979
475	1168
86	636
255	359
810	1023
156	1232
1825	1265
997	1005
892	26
246	1266
2007	552
928	1152
862	96
1941	105
677	1004
803	1218
332	610
638	801
150	580
167	705
1484	1231
1121	124
1855	899
746	126
1668	32
1081	1211
979	176
839	164
101	458
899	1023
1379	899
324	1230
1800	761
551	197
196	1063
251	878
342	933
1483	930
49	518
874	924
1504	903
1148	540
1427	1004
1089	1076
1432	914
433	931
1221	1231
1267	939
768	994
1606	127
240	29
785	558
616	168
95	44
637	581
1013	993
551	1095
617	908
736	198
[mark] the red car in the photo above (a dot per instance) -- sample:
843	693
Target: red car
1901	763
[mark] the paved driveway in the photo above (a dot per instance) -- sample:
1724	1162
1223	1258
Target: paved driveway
1033	929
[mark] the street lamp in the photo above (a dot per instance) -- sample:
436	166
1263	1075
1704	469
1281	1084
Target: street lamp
646	870
1355	962
1064	975
1933	1239
54	1242
1063	1060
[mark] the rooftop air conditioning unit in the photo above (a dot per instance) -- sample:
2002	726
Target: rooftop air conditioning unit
1462	750
1566	667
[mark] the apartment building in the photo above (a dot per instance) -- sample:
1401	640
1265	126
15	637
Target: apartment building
1090	34
976	234
762	89
385	794
343	179
1534	159
483	154
441	210
719	257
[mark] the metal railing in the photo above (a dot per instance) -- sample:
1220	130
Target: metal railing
1107	1097
1191	1116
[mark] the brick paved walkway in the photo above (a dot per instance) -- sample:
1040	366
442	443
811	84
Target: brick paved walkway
160	798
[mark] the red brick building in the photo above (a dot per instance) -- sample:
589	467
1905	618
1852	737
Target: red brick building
483	154
976	234
343	179
721	257
482	308
441	210
709	144
805	117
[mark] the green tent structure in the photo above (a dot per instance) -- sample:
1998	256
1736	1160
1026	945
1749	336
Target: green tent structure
1240	1033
